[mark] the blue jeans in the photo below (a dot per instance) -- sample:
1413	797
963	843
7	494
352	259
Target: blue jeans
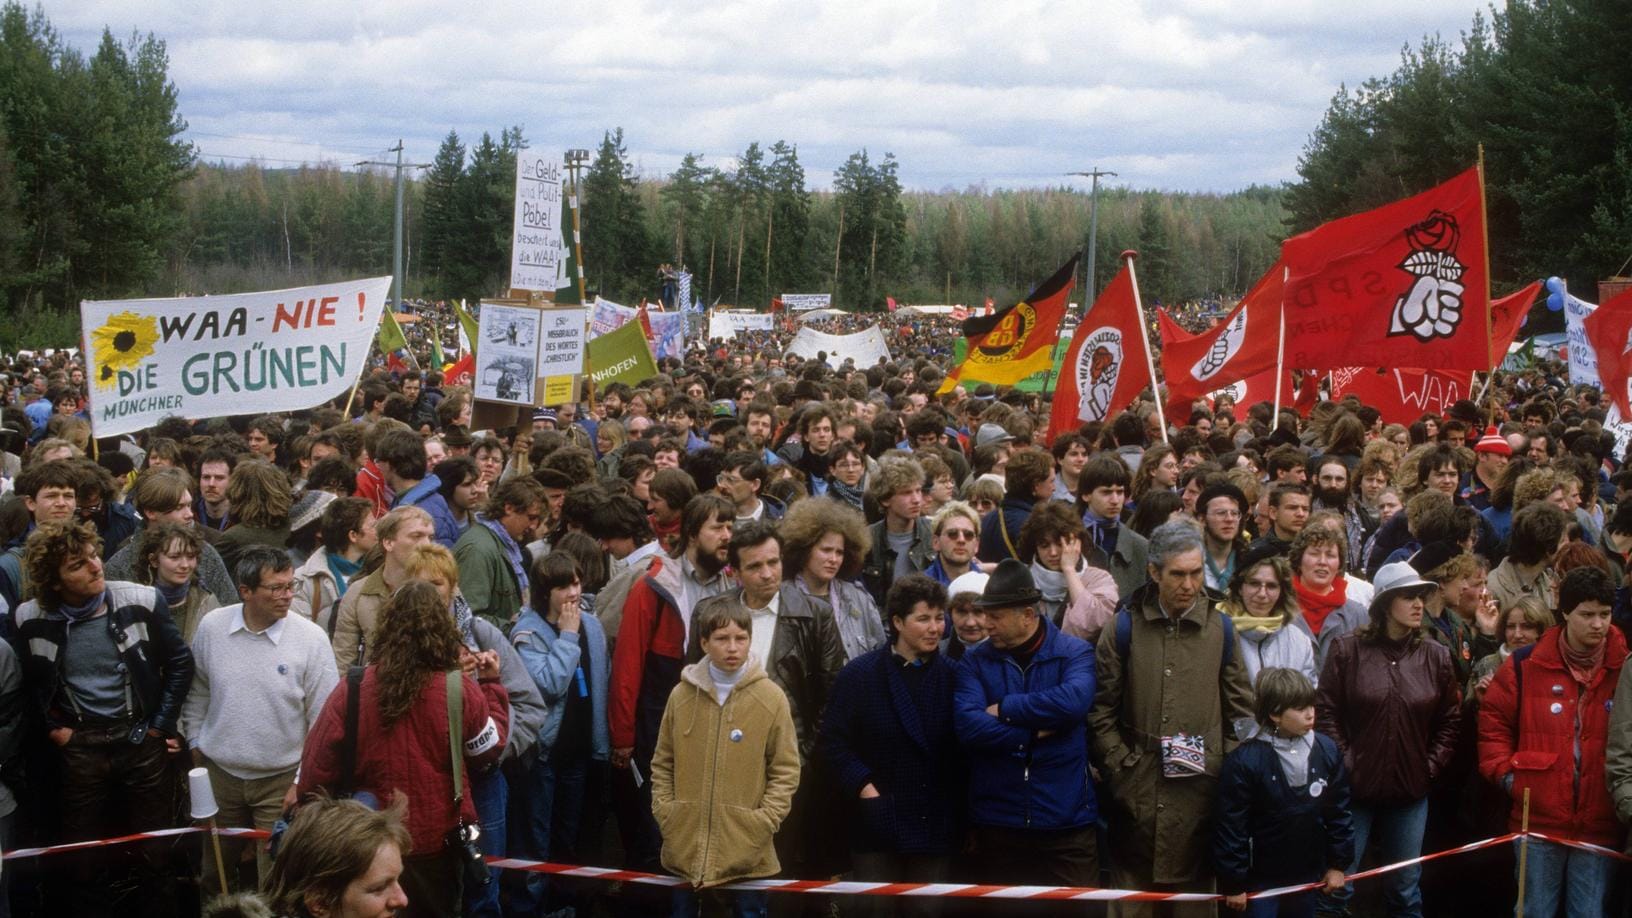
555	806
1297	905
1553	872
1397	831
755	903
489	792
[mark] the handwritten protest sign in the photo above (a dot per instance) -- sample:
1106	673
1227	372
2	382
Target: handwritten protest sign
208	356
536	250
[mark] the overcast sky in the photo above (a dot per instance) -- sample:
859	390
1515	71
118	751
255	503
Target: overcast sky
1183	94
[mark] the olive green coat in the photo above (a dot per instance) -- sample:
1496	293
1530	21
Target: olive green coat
1175	680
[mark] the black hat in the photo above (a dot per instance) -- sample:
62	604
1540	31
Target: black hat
1221	489
1433	556
1010	586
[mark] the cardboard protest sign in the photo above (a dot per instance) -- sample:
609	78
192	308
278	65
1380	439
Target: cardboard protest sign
527	355
536	250
209	356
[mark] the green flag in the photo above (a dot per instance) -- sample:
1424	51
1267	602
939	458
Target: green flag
391	336
621	355
436	348
571	272
467	328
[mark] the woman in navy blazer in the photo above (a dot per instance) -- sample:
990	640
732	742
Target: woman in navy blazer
887	735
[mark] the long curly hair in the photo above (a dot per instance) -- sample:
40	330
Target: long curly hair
415	639
810	519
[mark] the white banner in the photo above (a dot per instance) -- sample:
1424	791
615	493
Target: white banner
799	302
209	356
1583	359
536	252
865	348
727	324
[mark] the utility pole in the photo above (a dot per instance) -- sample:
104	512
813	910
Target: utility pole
396	244
1093	233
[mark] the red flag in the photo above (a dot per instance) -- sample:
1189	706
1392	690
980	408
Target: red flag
1105	367
1308	390
394	362
1403	395
1299	391
1405	285
1607	330
1171	331
1507	315
645	321
890	302
1240	346
462	373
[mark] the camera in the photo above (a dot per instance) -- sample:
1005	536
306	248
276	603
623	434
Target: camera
463	840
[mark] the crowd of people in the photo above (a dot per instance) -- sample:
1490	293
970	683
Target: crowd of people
760	616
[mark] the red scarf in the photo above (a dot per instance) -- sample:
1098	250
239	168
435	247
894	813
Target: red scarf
1584	667
1316	607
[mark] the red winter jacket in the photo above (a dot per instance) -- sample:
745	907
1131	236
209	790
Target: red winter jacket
1537	741
651	627
411	755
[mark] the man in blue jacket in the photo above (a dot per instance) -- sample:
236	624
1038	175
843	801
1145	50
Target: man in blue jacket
1021	709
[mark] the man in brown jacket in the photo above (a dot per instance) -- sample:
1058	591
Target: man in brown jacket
400	532
1159	737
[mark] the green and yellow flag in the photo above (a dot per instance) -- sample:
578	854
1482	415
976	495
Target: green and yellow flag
621	355
467	328
391	336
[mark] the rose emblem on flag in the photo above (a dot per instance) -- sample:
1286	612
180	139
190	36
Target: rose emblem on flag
1432	307
1099	365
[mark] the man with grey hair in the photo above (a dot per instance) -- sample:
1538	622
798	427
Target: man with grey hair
902	539
1158	740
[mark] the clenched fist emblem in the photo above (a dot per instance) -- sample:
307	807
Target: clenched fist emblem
1432	308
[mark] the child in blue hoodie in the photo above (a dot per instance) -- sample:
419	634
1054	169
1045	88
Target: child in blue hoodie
1283	805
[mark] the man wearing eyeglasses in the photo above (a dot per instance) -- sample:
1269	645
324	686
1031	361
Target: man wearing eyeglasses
740	482
956	535
1221	508
260	678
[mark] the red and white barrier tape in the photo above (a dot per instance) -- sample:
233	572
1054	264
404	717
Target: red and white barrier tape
860	888
1581	845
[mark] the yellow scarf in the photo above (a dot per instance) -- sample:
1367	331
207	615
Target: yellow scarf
1268	624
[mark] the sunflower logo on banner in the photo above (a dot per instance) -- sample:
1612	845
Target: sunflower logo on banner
122	343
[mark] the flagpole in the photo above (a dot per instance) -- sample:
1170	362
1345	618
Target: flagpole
1484	229
1144	338
1280	350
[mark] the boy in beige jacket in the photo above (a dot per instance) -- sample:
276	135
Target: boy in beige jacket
725	769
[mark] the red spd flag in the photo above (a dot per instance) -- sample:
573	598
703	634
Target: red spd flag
1608	330
1404	285
1105	367
1170	330
1241	345
1403	395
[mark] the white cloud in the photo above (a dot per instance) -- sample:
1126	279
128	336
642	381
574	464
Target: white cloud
1186	94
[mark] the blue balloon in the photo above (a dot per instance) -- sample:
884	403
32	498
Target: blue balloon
1556	291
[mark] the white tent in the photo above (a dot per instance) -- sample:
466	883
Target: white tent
821	314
